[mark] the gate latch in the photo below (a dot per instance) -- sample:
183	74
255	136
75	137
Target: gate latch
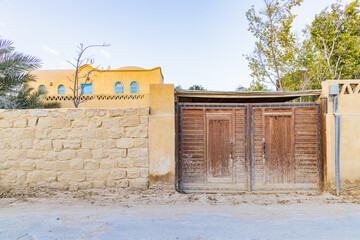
264	145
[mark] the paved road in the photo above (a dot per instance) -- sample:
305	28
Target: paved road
26	220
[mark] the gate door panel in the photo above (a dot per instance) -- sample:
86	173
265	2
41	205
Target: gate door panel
212	142
285	147
219	147
278	149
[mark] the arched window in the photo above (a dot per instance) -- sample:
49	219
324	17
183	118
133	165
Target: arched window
61	90
87	88
42	89
119	88
134	87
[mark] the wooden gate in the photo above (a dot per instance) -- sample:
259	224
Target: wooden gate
285	146
212	140
240	147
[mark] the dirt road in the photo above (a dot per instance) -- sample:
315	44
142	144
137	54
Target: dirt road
157	215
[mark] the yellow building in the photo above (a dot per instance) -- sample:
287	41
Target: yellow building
123	87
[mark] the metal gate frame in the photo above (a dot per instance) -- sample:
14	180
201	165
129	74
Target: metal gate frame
249	158
178	107
252	168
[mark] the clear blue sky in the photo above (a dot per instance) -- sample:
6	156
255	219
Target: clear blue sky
193	41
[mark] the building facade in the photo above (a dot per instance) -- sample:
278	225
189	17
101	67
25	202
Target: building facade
123	87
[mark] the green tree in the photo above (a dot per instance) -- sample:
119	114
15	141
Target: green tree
197	88
332	47
257	86
240	88
26	98
14	68
276	50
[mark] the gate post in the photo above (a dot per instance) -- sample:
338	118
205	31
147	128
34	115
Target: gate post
323	162
162	136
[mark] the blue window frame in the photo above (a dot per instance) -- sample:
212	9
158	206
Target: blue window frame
134	87
61	90
87	88
42	89
119	88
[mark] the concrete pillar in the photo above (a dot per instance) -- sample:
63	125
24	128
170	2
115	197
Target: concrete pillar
162	135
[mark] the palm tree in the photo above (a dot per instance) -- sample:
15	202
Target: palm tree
14	76
14	68
26	98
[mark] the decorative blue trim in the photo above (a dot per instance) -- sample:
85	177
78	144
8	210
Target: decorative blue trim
217	106
179	150
251	151
335	105
337	153
246	152
286	105
319	143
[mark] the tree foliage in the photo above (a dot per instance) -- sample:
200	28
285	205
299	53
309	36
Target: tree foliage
14	68
276	49
15	75
240	88
330	48
257	86
197	88
26	98
178	87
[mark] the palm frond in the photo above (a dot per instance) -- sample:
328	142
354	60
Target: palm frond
14	68
5	46
26	98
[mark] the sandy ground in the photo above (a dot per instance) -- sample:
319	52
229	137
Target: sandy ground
154	214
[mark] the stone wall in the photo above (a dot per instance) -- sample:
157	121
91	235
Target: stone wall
74	148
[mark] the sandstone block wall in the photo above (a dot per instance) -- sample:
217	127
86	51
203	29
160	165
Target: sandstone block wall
74	148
